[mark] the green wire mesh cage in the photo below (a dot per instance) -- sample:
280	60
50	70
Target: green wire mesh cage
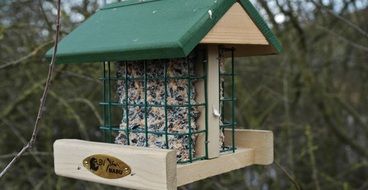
227	95
158	103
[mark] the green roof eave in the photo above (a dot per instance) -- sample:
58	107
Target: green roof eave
163	51
262	25
136	31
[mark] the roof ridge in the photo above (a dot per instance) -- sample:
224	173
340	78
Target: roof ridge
126	3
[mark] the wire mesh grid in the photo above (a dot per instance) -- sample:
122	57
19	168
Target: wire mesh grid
108	104
227	97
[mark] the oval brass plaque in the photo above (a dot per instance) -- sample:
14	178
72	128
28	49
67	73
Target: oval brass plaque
106	166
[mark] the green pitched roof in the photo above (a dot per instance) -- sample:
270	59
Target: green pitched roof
148	29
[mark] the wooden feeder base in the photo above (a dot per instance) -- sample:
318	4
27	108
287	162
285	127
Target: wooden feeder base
157	168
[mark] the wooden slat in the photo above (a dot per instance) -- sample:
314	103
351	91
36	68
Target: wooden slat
235	27
259	140
213	102
253	147
189	173
151	168
250	50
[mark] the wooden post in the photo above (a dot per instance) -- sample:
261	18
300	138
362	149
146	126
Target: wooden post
213	101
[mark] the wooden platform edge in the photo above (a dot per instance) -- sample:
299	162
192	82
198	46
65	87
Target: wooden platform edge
253	147
151	168
261	141
157	168
199	170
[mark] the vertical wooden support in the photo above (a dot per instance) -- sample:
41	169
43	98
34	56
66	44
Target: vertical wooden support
213	101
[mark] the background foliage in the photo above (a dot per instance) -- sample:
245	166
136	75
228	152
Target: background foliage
314	96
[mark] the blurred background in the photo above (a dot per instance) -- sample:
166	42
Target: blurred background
313	96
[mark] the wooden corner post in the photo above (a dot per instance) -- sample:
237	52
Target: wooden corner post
213	101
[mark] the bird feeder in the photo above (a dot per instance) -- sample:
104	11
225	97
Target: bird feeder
168	101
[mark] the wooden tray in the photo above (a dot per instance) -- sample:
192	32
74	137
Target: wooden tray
157	169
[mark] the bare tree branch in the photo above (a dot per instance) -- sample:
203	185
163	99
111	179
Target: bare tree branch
312	158
6	156
339	133
346	21
82	127
89	104
81	76
30	55
31	142
49	25
290	12
289	176
351	43
18	134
